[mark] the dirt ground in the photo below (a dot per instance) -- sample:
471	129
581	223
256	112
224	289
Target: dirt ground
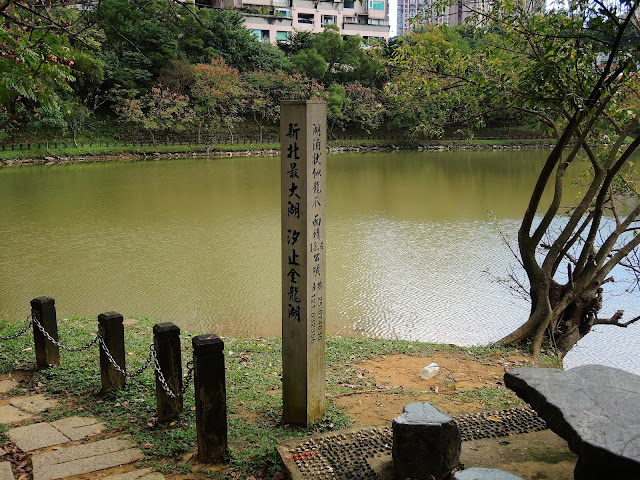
399	383
533	456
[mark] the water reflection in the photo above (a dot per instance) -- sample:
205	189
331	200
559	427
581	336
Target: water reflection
410	254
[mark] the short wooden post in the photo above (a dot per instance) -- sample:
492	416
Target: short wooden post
111	328
43	310
210	397
166	341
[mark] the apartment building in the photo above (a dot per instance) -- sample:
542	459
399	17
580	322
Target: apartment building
273	20
454	14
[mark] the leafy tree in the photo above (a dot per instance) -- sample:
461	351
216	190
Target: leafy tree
229	38
576	68
363	109
35	58
218	96
178	76
88	73
159	111
432	85
310	63
299	40
336	99
265	91
140	38
353	105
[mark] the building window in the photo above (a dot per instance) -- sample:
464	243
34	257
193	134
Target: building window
282	12
348	3
306	18
257	34
283	36
375	5
328	20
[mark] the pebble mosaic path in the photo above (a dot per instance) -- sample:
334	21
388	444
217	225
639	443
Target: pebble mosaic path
66	447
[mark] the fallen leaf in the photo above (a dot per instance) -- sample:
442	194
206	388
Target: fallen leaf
148	446
494	419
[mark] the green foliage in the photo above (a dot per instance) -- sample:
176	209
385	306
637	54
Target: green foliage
310	63
34	62
229	38
159	111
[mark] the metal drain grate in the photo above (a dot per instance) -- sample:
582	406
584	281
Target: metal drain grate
474	426
349	454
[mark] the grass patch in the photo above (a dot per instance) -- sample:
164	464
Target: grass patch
254	390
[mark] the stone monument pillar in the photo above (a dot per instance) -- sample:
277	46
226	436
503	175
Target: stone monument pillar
303	140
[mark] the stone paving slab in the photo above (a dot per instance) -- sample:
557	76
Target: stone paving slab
85	465
85	458
7	385
33	403
144	474
2	452
77	428
10	415
38	435
5	471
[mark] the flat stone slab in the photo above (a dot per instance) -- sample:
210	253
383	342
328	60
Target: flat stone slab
77	428
484	474
10	415
86	458
593	407
143	474
33	403
38	435
5	471
7	385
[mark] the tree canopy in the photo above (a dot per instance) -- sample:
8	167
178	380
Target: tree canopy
575	69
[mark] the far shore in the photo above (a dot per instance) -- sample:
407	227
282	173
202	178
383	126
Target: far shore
125	153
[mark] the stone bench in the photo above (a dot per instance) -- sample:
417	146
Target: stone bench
594	408
426	443
484	474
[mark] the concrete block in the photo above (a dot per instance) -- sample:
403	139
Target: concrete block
38	435
33	403
81	459
10	415
77	428
426	443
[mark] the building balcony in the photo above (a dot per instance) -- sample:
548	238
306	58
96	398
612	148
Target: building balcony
365	29
256	21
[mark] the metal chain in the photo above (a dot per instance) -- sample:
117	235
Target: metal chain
21	332
188	377
163	380
58	344
145	365
109	356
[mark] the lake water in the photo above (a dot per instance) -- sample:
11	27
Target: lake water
410	253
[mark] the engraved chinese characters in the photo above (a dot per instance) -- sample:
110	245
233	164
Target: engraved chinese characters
303	191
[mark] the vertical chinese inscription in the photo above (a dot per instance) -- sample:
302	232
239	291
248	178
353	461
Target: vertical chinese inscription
303	211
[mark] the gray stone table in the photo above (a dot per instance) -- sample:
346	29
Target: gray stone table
595	408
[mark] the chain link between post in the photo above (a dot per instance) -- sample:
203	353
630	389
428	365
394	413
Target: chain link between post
21	332
32	319
58	344
163	380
